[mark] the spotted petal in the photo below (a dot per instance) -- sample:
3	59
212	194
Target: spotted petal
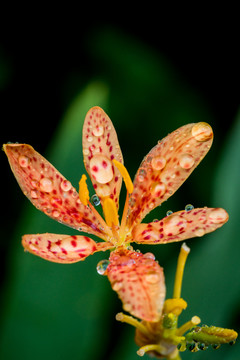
63	249
100	147
139	282
48	190
166	167
181	225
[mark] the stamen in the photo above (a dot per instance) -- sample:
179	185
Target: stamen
131	321
110	212
125	175
150	347
83	190
180	269
195	320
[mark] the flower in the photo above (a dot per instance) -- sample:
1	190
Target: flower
164	339
137	278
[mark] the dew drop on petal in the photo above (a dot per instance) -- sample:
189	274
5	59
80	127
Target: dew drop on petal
23	161
34	184
127	307
159	190
169	212
95	200
102	266
103	190
55	213
186	161
98	131
46	185
189	207
65	185
218	216
202	131
86	152
158	163
117	286
149	255
90	139
34	194
101	169
199	232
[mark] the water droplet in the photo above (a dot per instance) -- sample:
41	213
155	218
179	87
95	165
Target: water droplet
140	178
34	184
129	247
98	130
149	255
117	286
101	169
95	200
65	185
103	190
159	189
23	161
86	152
34	194
158	163
102	266
127	307
90	139
169	212
46	185
186	161
202	131
152	278
189	207
55	213
199	232
218	215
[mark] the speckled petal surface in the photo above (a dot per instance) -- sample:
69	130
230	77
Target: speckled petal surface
181	225
48	190
139	282
166	167
100	147
63	249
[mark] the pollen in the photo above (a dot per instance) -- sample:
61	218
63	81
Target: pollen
125	175
83	190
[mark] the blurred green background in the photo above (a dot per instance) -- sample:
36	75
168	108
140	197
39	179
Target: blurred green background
149	86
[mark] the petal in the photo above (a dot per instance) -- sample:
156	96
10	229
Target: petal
63	249
139	282
100	147
48	190
180	226
166	167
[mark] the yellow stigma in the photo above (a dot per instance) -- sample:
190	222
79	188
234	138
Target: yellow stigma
174	306
83	190
125	175
110	212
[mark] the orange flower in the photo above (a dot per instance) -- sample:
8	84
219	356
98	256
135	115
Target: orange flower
136	277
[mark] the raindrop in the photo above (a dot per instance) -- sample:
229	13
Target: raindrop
65	185
169	212
186	161
90	139
149	255
34	194
218	215
158	163
117	286
86	152
127	307
189	207
101	169
199	232
95	200
202	131
46	185
102	266
98	131
23	161
55	213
